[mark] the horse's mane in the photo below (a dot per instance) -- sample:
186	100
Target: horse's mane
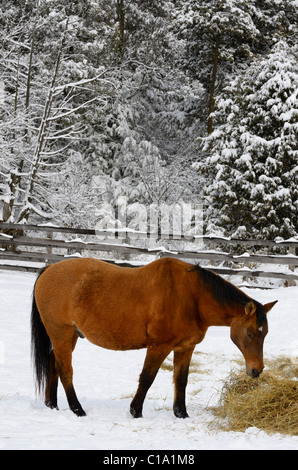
224	292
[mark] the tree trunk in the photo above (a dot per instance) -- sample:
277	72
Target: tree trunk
213	82
121	18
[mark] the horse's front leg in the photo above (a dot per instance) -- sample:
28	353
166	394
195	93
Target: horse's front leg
154	359
181	367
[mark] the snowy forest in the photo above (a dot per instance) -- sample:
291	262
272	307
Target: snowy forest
160	101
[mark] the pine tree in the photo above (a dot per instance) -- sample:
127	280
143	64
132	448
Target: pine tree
222	36
218	35
252	160
148	122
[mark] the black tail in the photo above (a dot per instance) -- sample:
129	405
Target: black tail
40	344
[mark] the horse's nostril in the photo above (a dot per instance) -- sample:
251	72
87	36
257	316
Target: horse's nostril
255	373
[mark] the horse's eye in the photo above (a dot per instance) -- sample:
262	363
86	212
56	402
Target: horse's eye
249	334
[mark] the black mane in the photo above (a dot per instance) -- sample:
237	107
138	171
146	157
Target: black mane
226	293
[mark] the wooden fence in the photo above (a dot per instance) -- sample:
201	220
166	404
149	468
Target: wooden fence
28	247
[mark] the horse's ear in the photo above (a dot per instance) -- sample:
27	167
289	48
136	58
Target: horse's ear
250	308
269	306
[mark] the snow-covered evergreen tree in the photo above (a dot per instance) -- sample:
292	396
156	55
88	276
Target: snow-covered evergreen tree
222	36
251	160
151	118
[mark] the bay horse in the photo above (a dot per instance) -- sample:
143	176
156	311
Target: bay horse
165	306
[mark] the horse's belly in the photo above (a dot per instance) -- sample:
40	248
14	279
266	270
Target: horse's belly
118	340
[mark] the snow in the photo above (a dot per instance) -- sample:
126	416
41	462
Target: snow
105	382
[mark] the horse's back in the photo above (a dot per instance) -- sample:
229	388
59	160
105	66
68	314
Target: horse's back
80	293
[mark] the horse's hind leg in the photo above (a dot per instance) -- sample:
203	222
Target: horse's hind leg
63	351
154	358
181	367
52	384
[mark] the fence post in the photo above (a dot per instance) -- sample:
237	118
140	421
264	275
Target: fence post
291	282
49	248
212	246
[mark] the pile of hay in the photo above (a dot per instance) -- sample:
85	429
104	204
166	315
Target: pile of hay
269	403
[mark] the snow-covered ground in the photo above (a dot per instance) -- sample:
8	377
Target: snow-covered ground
105	382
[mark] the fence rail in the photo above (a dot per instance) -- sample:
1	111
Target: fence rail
26	252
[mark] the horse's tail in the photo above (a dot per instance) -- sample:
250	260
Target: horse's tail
40	344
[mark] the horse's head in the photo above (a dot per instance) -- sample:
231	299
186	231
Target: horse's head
248	332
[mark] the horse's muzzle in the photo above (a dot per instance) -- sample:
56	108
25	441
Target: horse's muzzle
254	373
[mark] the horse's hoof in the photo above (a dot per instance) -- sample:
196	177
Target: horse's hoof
180	413
135	414
79	412
52	406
